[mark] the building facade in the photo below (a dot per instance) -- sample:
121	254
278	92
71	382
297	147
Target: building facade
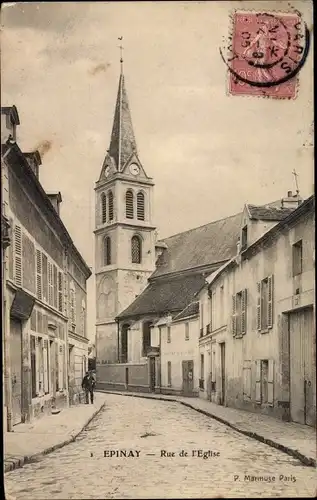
260	346
44	288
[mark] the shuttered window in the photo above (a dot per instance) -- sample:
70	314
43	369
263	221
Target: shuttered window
33	320
39	274
265	303
18	255
50	284
239	313
61	366
110	198
258	381
60	291
129	201
55	302
107	251
140	206
136	250
103	208
44	278
46	366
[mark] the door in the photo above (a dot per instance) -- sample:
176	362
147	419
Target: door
223	373
16	369
152	374
188	377
302	368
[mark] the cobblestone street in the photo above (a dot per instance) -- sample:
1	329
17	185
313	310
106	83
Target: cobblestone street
81	471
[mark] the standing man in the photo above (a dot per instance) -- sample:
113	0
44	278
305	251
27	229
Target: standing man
88	384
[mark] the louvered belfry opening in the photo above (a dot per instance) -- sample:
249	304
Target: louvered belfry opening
110	198
136	250
103	208
129	204
140	206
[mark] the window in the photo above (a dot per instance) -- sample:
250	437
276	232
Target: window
107	251
265	304
239	313
264	385
55	287
60	291
201	319
103	208
169	374
110	197
244	239
221	308
169	339
50	284
140	206
186	331
82	318
45	278
297	258
136	250
72	303
129	201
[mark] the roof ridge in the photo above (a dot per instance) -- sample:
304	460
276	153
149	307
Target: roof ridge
199	227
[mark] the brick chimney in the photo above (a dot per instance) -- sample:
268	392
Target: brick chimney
56	200
292	200
34	161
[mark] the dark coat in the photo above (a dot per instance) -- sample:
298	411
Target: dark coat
88	383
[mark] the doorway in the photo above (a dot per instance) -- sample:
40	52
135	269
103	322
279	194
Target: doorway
302	367
16	369
188	377
124	343
223	373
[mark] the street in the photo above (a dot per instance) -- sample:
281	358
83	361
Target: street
132	450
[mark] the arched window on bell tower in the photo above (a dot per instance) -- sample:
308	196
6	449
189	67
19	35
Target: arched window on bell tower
110	198
129	209
140	204
136	249
107	251
103	208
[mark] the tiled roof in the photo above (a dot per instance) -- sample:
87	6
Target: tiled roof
191	310
201	246
163	296
269	213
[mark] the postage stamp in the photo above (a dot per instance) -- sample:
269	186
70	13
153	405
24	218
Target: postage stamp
266	53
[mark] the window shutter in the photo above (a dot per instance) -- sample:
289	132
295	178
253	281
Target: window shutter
258	307
45	351
50	284
234	315
140	206
18	255
37	363
270	383
60	291
39	274
244	311
270	301
44	278
60	367
55	302
65	296
258	381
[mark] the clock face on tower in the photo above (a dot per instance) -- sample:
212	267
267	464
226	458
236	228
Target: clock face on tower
134	169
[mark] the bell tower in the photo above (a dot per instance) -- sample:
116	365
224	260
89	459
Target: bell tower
124	233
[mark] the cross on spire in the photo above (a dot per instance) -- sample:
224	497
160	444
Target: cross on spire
121	53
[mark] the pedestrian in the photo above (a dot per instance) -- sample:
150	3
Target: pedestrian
88	384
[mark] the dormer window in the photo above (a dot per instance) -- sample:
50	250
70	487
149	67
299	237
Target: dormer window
244	237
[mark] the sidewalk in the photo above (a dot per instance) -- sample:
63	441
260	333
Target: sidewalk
296	440
46	434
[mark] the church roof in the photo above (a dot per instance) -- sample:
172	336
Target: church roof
268	212
165	296
122	143
212	243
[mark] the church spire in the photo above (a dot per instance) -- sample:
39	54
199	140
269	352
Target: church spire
122	143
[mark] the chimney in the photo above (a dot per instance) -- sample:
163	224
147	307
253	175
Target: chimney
292	200
55	199
9	121
34	161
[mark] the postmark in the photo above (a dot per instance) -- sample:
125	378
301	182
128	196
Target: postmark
266	52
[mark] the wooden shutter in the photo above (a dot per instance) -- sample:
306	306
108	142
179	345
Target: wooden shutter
37	364
234	315
18	255
270	302
39	274
60	291
270	383
55	295
57	363
45	352
244	311
50	284
60	367
258	381
44	278
65	295
258	306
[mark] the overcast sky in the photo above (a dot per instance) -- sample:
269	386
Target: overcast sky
208	152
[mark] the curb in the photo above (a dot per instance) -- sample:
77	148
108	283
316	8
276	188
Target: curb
309	462
13	463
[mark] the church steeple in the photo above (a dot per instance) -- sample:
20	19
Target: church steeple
122	143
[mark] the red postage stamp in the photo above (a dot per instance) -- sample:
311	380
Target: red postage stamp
267	51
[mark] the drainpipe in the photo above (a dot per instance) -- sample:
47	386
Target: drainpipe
118	340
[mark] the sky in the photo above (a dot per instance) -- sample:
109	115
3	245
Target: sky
208	152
